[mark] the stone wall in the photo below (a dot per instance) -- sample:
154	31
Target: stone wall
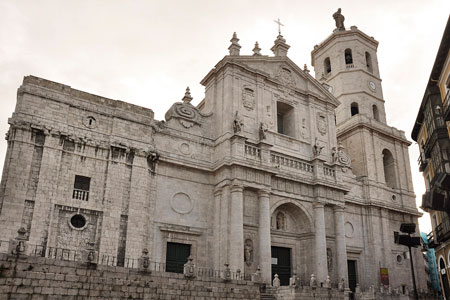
31	278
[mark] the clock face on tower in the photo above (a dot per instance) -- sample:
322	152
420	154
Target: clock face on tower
372	86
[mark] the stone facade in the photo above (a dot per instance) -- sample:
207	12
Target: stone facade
259	163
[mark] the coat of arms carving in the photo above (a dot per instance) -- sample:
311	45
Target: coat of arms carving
248	98
321	123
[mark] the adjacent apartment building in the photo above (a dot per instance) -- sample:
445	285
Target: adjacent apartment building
431	132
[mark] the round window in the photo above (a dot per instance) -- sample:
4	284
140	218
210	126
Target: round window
78	221
394	197
399	258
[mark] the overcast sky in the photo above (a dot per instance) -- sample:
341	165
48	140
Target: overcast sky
147	52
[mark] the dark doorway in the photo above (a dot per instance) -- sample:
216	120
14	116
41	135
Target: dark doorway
281	264
176	256
352	275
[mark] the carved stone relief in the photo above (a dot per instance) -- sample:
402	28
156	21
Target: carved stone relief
349	230
185	148
181	203
248	98
322	123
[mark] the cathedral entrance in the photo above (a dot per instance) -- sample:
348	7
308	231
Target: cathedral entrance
281	264
176	256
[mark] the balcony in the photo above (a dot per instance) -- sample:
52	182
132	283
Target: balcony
431	242
440	133
349	66
436	199
422	162
443	231
446	106
80	195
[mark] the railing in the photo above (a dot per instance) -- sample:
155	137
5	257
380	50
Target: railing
80	195
57	253
422	161
443	231
349	66
252	151
291	163
329	172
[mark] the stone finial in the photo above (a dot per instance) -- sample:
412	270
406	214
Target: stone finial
293	281
189	268
144	260
276	281
305	68
280	48
313	281
328	282
187	96
256	50
234	47
227	273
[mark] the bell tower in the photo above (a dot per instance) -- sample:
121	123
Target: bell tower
346	63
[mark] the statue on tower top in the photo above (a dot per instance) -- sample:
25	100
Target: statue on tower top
339	18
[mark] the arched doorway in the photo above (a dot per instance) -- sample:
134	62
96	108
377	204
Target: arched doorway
444	278
291	237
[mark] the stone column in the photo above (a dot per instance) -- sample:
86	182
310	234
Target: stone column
237	228
320	243
217	247
265	260
341	251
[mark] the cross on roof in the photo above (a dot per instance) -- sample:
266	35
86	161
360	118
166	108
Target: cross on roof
279	25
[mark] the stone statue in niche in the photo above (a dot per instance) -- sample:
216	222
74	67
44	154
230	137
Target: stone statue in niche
248	252
238	124
281	221
317	148
262	131
329	260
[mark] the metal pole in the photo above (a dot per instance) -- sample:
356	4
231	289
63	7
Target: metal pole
416	296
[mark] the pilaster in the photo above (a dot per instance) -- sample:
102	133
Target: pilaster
264	236
236	228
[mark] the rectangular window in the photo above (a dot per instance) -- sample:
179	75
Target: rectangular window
81	188
285	119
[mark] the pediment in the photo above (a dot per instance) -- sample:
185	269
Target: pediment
290	77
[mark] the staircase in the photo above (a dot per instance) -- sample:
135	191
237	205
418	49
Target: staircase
267	294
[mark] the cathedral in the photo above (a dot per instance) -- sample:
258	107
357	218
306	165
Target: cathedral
276	169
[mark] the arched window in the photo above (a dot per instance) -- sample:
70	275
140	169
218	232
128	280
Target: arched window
327	65
354	108
369	62
348	56
389	169
376	115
